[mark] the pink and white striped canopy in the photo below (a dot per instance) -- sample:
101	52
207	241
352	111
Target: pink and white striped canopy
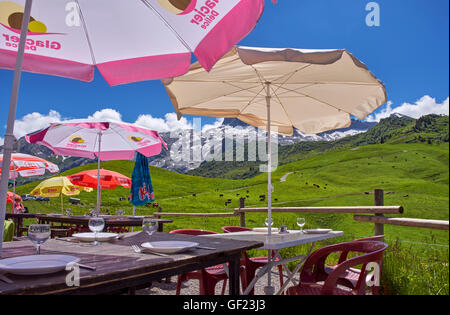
129	41
119	140
28	166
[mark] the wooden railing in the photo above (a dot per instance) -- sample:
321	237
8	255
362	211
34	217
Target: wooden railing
378	210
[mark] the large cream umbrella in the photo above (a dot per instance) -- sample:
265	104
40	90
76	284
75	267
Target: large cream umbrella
279	90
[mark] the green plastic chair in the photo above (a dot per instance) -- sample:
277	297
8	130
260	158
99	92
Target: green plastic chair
8	231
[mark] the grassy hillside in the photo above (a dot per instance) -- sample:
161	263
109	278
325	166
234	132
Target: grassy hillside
430	129
414	175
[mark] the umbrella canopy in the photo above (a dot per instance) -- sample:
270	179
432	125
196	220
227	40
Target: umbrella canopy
27	165
108	179
311	90
57	187
104	140
128	41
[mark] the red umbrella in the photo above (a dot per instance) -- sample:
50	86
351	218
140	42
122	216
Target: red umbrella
108	179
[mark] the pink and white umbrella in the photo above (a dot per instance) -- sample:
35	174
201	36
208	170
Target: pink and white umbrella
25	165
102	140
128	41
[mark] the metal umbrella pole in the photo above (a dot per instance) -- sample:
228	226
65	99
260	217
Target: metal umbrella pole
9	135
98	172
269	289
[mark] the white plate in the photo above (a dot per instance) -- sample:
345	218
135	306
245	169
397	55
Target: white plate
36	264
90	237
317	231
265	229
169	247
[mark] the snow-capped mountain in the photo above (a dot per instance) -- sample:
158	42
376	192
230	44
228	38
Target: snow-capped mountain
187	149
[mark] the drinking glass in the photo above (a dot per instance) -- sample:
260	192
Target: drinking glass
149	226
267	222
96	225
38	234
68	212
301	223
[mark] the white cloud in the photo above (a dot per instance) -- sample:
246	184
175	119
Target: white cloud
34	121
424	106
1	141
170	122
107	114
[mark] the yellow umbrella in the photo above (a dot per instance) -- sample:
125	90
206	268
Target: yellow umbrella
57	187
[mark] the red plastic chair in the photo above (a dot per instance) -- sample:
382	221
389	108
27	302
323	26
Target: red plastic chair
253	263
372	251
208	277
350	278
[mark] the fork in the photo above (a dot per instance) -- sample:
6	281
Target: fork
137	249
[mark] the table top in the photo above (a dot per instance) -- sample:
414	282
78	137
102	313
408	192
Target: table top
278	241
117	264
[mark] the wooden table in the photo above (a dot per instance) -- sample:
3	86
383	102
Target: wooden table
119	268
275	243
110	221
18	220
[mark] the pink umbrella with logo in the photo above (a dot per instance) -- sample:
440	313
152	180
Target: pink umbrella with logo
128	41
105	141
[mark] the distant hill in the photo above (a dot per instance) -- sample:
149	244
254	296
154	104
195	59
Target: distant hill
429	129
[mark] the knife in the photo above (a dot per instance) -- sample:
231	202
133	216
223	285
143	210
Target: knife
5	279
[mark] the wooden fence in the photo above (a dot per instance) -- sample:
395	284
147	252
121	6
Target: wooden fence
377	211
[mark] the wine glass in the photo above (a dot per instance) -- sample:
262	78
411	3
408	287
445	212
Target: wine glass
267	222
301	223
96	225
38	234
68	212
149	226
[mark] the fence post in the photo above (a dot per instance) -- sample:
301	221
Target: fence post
242	214
379	201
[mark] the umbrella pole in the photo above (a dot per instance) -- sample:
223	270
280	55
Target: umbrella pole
98	172
9	135
269	290
14	190
62	207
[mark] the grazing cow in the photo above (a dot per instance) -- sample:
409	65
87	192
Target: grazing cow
276	199
229	200
237	195
155	205
221	195
406	196
247	196
194	195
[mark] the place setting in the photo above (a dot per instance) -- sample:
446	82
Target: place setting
38	264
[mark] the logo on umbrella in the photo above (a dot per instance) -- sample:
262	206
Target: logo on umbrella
76	139
11	15
179	7
135	139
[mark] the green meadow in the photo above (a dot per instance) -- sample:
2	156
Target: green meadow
414	175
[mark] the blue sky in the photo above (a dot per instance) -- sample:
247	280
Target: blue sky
409	52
